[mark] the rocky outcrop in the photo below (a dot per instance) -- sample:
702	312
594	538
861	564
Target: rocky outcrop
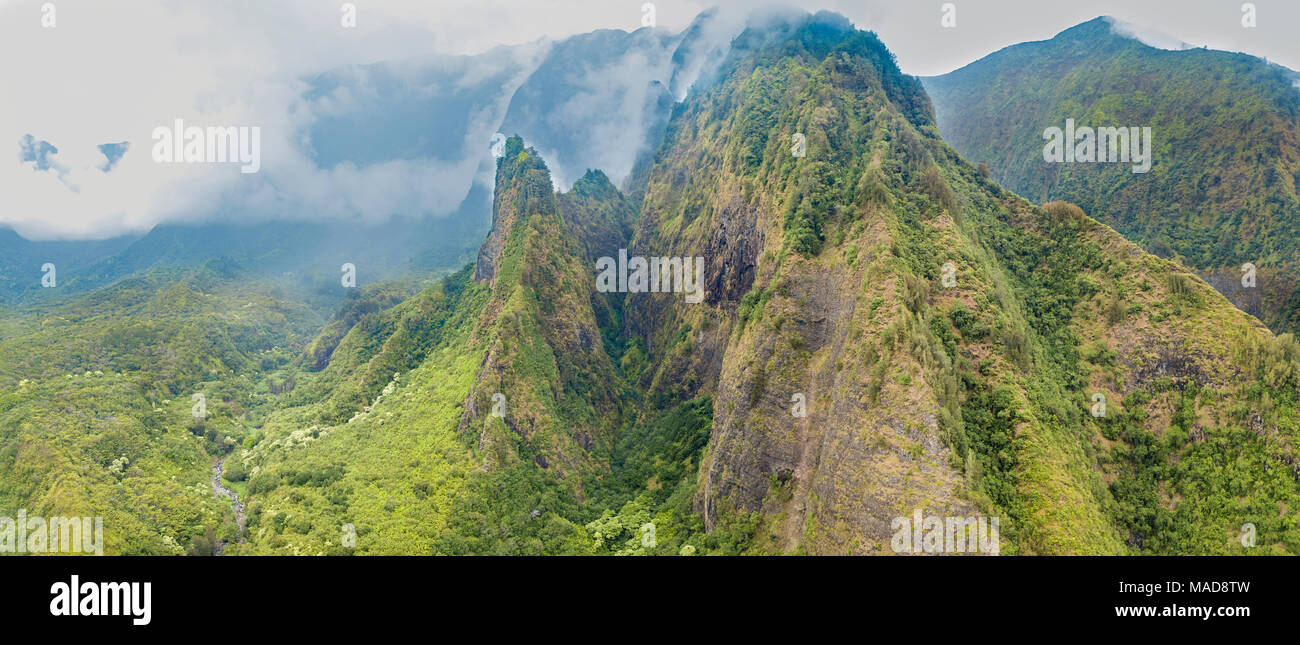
545	389
884	330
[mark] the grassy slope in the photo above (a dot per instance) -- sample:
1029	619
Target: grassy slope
392	468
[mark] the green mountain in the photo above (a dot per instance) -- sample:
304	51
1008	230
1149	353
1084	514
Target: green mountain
1225	128
826	280
482	415
299	254
22	260
883	330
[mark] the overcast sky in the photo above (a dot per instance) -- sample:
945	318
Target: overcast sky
112	70
911	28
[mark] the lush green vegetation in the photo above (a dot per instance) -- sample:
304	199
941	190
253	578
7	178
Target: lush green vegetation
97	417
1009	355
1223	187
947	342
380	439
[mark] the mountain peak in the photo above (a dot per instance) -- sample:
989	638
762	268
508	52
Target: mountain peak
593	179
1146	35
1104	28
523	188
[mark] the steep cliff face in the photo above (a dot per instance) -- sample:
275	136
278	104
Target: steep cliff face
883	329
598	216
600	219
546	390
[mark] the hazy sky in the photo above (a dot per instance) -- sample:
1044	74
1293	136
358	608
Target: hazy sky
112	70
911	28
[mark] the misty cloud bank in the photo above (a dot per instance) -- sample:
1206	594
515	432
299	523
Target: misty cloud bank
400	138
1146	35
407	134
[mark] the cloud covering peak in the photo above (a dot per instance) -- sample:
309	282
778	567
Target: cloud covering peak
407	136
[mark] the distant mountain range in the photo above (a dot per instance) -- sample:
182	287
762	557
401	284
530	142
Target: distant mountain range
596	100
306	253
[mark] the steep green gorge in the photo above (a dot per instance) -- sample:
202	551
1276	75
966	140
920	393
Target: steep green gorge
884	329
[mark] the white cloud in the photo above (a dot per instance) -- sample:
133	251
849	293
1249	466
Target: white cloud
607	114
111	72
1146	35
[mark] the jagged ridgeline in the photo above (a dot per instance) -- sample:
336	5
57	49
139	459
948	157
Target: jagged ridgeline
1225	169
489	414
883	331
960	389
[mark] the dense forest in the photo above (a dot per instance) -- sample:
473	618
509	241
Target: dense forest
884	328
1222	189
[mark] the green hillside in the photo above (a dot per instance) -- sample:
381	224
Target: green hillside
884	329
400	437
1222	189
826	280
97	411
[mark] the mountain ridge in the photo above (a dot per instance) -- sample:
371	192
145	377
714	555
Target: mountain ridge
1221	193
884	331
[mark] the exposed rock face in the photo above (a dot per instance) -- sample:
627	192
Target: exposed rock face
838	473
546	386
732	253
884	330
485	268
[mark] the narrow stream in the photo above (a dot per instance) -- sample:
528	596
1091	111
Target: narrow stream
222	491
